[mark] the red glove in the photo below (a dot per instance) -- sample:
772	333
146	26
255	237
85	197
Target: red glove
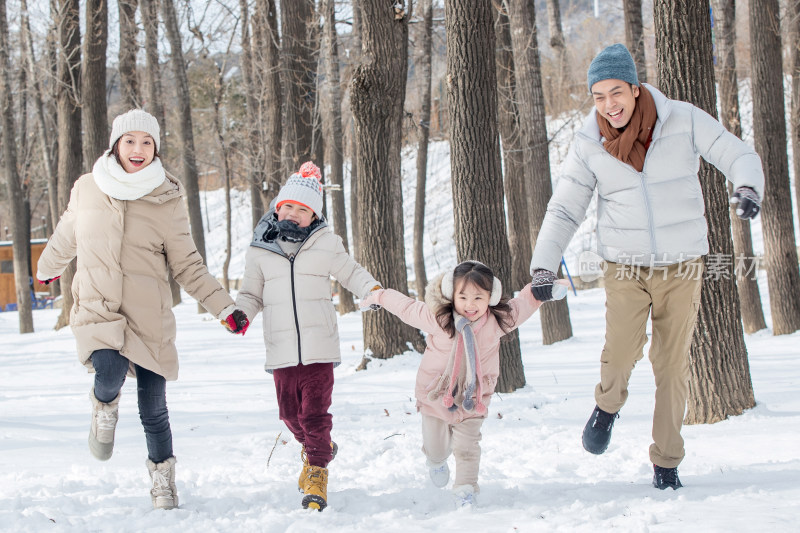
48	281
236	322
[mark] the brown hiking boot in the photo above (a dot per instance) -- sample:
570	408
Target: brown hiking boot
304	472
316	491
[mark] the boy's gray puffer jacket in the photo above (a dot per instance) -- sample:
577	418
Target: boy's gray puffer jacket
654	217
294	293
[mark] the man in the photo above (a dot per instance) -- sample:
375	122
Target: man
640	151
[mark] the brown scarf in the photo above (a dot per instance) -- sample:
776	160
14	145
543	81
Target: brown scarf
630	144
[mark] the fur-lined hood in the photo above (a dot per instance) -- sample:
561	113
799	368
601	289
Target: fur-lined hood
434	298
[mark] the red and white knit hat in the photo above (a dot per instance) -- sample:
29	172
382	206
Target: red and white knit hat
304	188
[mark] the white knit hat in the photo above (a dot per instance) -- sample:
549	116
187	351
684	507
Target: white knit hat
304	188
135	120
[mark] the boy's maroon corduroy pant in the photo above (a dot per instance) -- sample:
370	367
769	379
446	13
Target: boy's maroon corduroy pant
304	397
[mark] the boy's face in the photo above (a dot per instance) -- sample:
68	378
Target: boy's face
615	100
297	213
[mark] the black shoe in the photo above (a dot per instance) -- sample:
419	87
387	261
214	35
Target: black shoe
666	477
597	433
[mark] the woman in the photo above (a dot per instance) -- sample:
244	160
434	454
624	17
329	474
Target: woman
128	227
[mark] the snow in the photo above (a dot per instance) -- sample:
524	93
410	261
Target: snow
238	465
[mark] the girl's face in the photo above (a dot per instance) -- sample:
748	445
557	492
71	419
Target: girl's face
470	301
136	150
299	214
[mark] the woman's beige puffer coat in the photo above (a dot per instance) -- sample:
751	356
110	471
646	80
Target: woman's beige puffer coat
294	295
125	251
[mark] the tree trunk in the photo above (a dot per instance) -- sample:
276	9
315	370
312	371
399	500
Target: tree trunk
424	130
69	122
154	103
355	58
129	47
559	46
254	148
297	27
720	384
190	175
476	176
519	230
14	188
634	36
43	131
794	37
93	91
556	325
746	271
769	133
377	96
332	128
267	77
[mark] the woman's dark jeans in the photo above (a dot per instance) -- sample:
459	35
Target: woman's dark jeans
110	369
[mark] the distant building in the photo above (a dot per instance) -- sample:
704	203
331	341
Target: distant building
8	291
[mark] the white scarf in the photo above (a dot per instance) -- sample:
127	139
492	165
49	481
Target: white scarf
114	181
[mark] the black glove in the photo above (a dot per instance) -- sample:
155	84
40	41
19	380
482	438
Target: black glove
236	322
542	284
748	203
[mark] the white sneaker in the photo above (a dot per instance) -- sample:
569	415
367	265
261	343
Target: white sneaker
465	496
439	473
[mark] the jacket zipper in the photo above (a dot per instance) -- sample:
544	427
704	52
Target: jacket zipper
294	309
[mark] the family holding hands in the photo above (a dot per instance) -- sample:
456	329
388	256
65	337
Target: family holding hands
128	226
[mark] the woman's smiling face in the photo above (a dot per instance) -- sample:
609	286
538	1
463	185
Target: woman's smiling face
136	150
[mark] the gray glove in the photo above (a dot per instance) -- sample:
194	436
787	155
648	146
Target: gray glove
542	284
748	204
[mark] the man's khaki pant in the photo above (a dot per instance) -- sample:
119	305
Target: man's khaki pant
671	296
462	439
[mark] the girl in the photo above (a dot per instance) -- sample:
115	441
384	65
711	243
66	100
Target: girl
465	317
287	277
127	224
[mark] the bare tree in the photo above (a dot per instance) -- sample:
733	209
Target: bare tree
556	325
519	231
355	58
794	40
43	130
190	175
634	36
14	188
423	131
559	46
746	281
69	122
93	91
720	383
769	133
378	93
267	78
128	48
331	105
477	180
299	68
254	150
154	103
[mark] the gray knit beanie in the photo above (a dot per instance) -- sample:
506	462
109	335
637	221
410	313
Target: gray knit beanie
613	63
135	120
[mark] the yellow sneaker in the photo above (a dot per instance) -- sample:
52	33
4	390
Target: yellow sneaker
316	492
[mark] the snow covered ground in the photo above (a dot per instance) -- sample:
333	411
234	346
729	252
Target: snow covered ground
238	465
